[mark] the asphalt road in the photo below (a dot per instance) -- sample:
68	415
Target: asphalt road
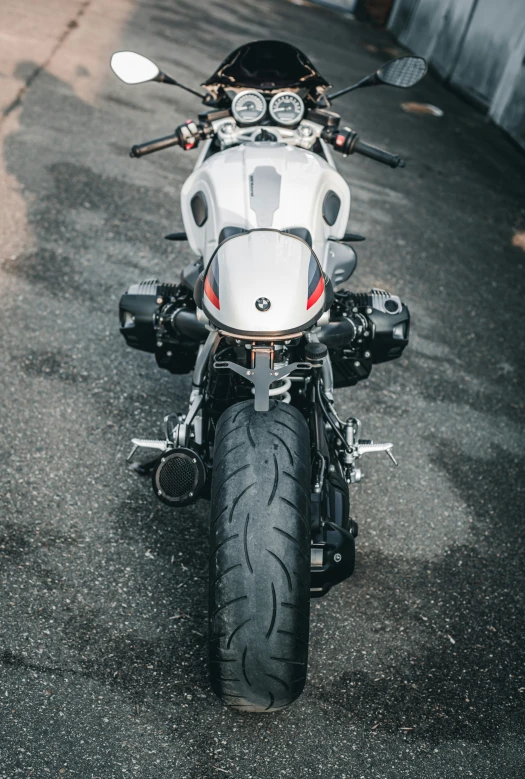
416	663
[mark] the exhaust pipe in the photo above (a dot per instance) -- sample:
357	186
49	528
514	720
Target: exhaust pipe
185	323
179	477
335	334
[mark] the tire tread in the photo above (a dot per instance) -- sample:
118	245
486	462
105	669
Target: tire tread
259	611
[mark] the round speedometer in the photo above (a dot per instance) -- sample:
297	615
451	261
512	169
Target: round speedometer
248	107
286	108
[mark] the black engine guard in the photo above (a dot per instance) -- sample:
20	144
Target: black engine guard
333	557
333	536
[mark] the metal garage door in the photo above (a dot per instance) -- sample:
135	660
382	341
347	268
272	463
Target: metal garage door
478	45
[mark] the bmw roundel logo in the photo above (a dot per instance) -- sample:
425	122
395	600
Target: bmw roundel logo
262	304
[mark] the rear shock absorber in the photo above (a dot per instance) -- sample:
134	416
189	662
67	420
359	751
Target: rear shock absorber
279	390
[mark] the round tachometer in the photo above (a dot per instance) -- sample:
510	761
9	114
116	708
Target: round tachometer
286	108
248	107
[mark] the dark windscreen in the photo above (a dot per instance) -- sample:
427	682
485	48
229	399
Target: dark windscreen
267	65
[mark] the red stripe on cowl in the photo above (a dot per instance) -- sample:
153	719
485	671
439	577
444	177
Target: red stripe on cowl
316	294
211	294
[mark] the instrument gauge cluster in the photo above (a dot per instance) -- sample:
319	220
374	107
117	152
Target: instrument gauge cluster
249	107
286	108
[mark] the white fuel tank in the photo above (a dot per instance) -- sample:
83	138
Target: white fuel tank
264	185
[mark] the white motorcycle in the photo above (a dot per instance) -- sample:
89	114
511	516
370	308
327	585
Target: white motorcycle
257	320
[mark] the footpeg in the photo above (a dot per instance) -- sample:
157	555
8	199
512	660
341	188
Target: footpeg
147	443
363	447
356	447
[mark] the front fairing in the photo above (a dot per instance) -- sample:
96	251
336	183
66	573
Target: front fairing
263	283
268	66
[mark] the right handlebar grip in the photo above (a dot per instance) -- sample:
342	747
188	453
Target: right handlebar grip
394	160
150	146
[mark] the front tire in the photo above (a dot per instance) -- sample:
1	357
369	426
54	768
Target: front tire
260	557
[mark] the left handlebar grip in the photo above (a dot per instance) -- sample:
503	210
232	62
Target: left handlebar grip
150	146
393	160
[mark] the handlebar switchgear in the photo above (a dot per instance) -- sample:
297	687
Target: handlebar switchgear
189	135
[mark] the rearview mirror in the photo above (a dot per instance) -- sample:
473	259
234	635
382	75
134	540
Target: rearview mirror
133	68
402	72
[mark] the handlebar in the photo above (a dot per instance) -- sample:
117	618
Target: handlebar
150	146
186	135
347	142
344	140
394	160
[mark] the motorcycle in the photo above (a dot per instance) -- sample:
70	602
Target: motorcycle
262	323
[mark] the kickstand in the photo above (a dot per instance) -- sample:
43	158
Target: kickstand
143	469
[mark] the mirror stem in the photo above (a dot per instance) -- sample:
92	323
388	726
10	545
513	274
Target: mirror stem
165	79
368	81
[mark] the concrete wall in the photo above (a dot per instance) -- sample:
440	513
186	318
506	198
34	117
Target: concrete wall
477	45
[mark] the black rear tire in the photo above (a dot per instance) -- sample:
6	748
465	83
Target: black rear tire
260	557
